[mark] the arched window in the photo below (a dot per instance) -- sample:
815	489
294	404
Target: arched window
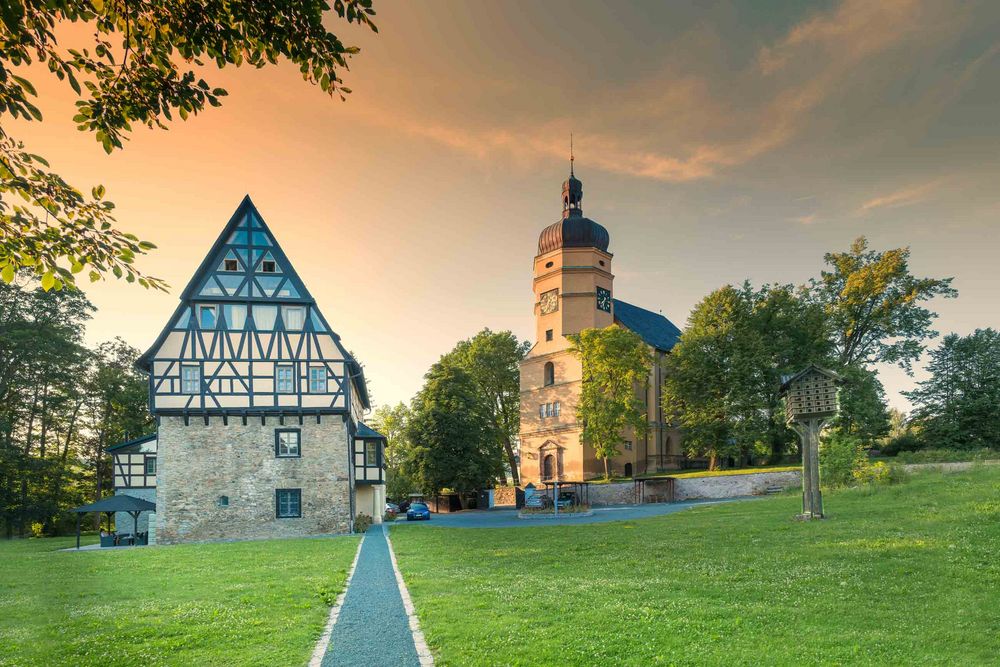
548	464
628	469
550	373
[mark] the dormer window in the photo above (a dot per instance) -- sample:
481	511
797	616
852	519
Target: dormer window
268	266
231	265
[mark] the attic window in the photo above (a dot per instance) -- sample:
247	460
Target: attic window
548	265
268	266
601	262
230	265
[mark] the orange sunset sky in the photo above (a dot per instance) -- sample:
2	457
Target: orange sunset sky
716	141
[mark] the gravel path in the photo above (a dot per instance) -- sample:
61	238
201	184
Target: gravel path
373	628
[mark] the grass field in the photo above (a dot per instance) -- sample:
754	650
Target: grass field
907	574
244	603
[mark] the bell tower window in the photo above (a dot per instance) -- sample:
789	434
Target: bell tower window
550	373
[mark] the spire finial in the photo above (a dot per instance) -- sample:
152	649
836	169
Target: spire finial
571	154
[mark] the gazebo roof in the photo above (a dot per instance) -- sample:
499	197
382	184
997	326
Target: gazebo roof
120	503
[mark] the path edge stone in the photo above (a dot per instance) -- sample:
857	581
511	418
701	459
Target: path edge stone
423	652
324	640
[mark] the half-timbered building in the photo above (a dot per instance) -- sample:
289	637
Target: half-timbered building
257	402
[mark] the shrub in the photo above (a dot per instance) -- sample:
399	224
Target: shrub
362	522
839	455
904	442
389	516
947	455
871	473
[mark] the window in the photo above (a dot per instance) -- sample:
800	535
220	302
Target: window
294	317
549	373
317	380
371	452
284	379
548	334
541	411
223	501
548	265
236	315
150	465
206	317
191	379
628	445
268	266
556	409
288	503
264	316
230	265
286	443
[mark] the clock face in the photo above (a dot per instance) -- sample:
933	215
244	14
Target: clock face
604	299
549	301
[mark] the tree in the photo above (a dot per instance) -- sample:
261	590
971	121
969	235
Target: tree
957	406
493	360
452	439
137	72
873	303
616	365
863	413
391	421
722	379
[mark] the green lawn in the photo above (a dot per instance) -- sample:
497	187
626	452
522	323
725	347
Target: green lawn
909	574
243	603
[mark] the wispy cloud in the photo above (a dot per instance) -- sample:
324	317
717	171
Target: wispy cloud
805	219
902	197
677	127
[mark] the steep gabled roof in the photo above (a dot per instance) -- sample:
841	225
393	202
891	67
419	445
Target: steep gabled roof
247	241
653	328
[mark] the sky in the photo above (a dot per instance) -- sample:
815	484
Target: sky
716	141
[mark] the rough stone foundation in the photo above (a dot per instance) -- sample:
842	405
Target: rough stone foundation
198	464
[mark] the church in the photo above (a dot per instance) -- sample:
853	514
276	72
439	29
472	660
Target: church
258	407
574	290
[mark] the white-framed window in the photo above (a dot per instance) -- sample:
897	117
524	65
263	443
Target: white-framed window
371	453
284	379
288	503
191	379
287	443
150	465
541	411
556	409
230	265
264	317
236	315
294	317
207	316
268	266
317	380
628	445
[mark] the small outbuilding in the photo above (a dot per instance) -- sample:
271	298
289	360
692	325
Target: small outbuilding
119	503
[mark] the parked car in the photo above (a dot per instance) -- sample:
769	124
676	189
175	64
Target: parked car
392	507
417	512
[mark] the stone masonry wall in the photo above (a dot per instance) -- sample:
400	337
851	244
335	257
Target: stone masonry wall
197	464
727	486
733	486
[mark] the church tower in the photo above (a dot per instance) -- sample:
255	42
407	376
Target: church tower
573	287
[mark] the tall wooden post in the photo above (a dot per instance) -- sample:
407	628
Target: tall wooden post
811	398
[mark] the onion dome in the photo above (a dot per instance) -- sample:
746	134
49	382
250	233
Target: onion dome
574	230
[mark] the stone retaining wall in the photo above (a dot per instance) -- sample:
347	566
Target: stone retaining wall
722	486
733	486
